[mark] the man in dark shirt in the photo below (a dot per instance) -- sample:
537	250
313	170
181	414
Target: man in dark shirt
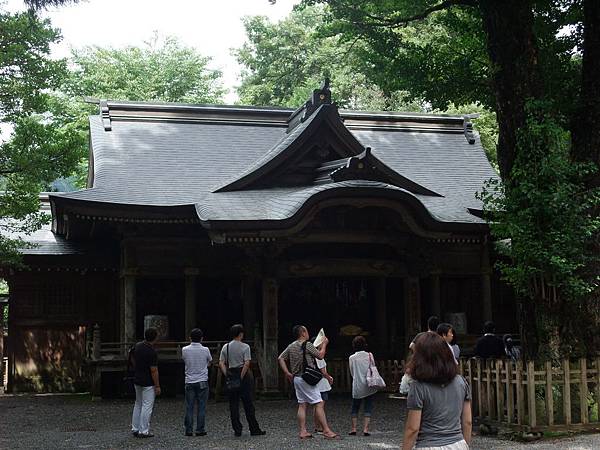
146	384
489	345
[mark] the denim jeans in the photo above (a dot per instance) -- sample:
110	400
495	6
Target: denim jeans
368	406
142	410
195	393
245	394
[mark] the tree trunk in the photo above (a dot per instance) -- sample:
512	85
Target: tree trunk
586	148
513	52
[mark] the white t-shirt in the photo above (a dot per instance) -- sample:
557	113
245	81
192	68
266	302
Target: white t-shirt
323	384
196	358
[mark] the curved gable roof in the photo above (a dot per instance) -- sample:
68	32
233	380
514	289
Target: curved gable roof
174	155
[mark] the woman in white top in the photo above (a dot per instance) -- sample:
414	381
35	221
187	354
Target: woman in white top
359	366
324	386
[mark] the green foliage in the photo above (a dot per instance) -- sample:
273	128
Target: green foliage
547	216
162	70
283	62
34	150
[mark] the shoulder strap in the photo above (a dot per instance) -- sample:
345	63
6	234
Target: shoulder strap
227	352
305	362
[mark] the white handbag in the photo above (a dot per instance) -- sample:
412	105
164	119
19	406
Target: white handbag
374	380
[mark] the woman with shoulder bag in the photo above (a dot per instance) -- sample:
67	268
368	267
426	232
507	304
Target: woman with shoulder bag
359	364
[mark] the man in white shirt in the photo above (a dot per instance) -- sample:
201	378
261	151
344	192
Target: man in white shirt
197	358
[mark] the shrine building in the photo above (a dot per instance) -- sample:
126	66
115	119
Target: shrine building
356	222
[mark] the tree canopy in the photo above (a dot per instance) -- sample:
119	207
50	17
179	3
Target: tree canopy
537	65
34	150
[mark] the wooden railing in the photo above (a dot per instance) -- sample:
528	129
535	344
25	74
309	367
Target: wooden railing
536	397
167	350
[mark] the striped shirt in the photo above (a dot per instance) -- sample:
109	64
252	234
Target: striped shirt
293	354
196	358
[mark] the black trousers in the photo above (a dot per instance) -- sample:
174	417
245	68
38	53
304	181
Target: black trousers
244	394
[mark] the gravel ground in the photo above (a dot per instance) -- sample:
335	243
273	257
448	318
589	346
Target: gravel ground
76	422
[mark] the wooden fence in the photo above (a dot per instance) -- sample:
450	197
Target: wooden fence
536	397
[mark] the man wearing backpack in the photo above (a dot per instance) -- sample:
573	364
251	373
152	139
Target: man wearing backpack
301	354
146	383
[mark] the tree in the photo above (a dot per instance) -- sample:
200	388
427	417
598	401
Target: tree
33	150
284	61
162	70
515	57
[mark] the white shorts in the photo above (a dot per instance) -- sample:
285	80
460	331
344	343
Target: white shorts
460	445
305	393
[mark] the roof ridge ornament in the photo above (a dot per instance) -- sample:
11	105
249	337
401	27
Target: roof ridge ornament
321	96
468	127
105	115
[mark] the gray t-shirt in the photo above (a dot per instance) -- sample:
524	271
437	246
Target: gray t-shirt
441	410
238	354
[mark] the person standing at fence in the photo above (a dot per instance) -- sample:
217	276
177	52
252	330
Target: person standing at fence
489	345
324	385
359	364
146	383
439	401
196	358
432	324
234	361
296	354
446	331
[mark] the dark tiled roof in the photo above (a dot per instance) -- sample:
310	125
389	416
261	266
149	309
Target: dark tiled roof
169	155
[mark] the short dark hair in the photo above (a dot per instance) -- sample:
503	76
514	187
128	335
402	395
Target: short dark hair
150	334
196	335
359	343
444	328
236	330
489	327
297	330
431	361
432	323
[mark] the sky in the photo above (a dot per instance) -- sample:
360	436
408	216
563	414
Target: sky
213	27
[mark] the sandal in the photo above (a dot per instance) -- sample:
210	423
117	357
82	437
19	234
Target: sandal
306	436
334	436
352	433
366	433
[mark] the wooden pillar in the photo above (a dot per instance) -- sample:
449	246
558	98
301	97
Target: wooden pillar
436	304
412	304
128	301
381	314
486	283
249	306
191	276
270	293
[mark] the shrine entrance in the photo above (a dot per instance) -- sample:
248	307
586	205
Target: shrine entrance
344	307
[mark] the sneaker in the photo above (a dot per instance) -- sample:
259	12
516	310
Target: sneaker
237	433
258	433
135	433
145	435
189	434
200	433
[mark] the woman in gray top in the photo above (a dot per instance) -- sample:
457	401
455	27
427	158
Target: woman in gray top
439	400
